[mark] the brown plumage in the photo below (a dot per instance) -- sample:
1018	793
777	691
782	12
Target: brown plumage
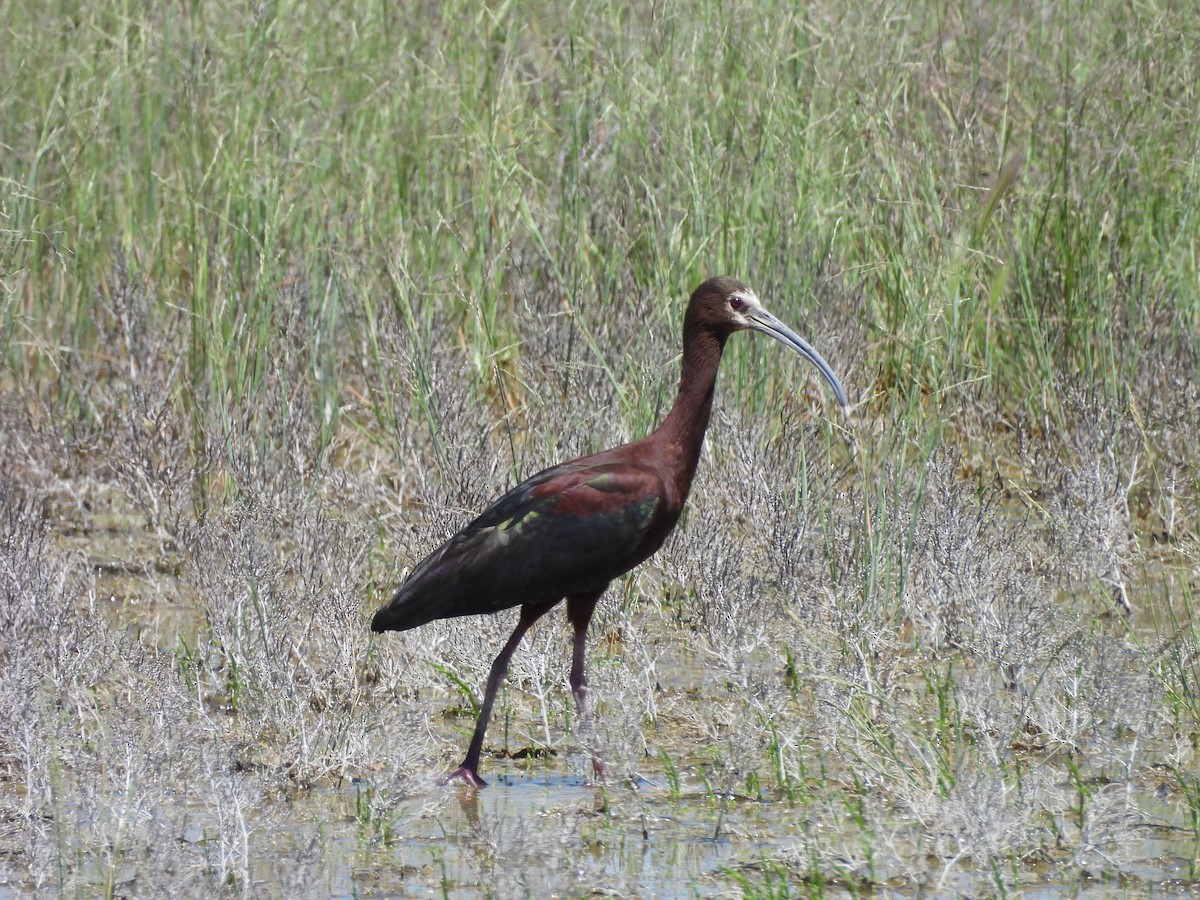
569	530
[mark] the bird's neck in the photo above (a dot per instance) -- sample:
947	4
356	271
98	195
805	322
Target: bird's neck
681	435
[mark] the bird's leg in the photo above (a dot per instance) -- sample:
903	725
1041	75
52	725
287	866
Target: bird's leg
469	770
579	612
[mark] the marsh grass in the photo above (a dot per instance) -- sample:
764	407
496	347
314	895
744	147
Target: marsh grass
288	292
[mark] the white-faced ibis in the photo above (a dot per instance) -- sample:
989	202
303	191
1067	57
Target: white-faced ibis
570	530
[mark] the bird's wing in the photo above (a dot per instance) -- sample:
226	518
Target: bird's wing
567	530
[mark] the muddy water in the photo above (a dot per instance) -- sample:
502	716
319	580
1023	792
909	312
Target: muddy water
539	831
543	834
540	834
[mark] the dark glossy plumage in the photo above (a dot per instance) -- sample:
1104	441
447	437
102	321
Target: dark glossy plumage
538	542
568	531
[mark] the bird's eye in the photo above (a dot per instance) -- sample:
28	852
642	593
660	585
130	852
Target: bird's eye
736	303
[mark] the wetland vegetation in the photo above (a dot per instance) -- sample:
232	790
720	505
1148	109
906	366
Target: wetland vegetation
289	290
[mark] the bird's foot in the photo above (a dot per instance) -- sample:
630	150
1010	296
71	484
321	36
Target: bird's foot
468	774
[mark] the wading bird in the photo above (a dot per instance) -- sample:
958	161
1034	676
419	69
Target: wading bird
570	530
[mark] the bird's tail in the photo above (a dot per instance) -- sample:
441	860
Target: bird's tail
405	611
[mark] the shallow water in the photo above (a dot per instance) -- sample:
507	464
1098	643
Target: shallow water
538	830
529	833
534	832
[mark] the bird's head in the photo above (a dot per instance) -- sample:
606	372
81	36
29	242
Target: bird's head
725	305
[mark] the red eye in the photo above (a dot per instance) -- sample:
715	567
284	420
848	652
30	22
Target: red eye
736	303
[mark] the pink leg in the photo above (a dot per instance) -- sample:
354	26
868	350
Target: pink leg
469	770
579	613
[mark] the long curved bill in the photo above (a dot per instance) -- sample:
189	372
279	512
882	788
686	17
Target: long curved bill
761	320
